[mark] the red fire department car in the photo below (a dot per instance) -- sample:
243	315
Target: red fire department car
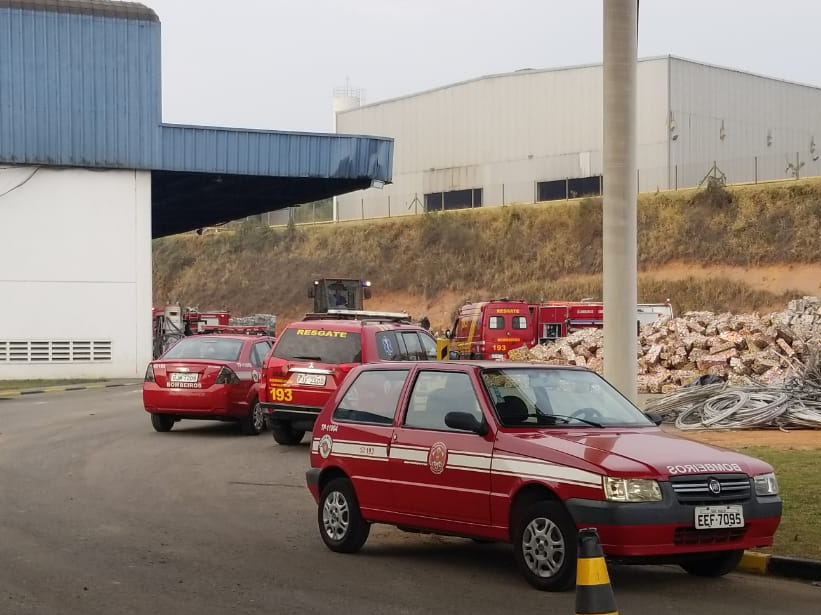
214	377
529	454
311	358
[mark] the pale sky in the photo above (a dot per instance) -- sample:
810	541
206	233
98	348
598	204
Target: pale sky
273	64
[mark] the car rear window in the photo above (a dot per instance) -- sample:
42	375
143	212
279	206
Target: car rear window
205	347
321	345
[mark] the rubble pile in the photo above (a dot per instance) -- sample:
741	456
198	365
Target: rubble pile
740	349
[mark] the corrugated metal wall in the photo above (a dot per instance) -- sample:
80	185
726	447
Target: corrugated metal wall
752	127
504	134
78	89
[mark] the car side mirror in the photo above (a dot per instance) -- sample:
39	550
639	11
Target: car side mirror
655	417
448	334
453	355
465	421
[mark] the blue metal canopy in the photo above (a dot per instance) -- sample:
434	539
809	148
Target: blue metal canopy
80	86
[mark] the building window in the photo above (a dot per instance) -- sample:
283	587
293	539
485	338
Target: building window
453	199
572	188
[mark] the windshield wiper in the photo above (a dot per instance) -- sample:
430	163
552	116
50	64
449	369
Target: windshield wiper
307	357
567	419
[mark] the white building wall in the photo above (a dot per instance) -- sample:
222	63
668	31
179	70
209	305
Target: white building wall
750	107
503	133
75	273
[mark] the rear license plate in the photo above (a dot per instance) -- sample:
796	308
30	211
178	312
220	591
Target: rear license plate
183	377
316	380
718	517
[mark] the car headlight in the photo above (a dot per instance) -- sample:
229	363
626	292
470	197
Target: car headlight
766	484
631	489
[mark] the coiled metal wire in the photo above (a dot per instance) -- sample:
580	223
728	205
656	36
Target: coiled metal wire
793	404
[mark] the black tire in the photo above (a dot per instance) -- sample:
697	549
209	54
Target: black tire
285	434
714	565
162	422
339	519
545	546
254	422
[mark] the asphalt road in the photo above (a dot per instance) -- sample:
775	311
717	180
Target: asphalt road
100	514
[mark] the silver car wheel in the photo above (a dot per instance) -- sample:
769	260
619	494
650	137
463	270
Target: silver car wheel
258	417
543	547
336	516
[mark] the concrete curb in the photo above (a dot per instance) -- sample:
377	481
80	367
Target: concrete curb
69	387
782	566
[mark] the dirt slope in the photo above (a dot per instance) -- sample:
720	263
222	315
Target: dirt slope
742	249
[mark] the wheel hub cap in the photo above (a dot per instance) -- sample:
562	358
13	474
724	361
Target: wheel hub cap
258	418
335	516
543	547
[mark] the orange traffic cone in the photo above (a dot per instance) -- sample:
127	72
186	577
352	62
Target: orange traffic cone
594	594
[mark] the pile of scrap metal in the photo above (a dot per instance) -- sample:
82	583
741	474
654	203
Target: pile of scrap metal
712	403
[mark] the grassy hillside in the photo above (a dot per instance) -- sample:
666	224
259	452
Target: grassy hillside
431	263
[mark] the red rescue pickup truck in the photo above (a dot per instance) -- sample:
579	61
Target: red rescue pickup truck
529	454
311	358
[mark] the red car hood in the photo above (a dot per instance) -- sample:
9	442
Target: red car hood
644	452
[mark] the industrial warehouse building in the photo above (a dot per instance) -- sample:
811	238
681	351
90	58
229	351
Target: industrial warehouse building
89	174
536	135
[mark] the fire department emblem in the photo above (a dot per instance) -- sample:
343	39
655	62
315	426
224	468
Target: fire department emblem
438	457
325	446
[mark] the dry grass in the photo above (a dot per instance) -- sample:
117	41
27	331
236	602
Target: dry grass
548	250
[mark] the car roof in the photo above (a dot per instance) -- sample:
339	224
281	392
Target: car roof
230	336
344	324
457	362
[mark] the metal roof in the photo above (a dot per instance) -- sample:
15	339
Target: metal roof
284	154
209	175
531	71
104	8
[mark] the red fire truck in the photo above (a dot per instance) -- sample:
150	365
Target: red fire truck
173	322
491	329
556	319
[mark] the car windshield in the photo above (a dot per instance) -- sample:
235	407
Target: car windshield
551	397
205	347
320	345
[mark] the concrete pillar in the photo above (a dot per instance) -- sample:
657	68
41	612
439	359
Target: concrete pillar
620	283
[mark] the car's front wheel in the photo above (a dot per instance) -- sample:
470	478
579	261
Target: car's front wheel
285	434
340	521
254	422
162	422
715	564
544	542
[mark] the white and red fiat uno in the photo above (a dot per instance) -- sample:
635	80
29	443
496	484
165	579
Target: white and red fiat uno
529	454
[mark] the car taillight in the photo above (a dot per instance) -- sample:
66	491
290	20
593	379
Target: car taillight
149	374
227	376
